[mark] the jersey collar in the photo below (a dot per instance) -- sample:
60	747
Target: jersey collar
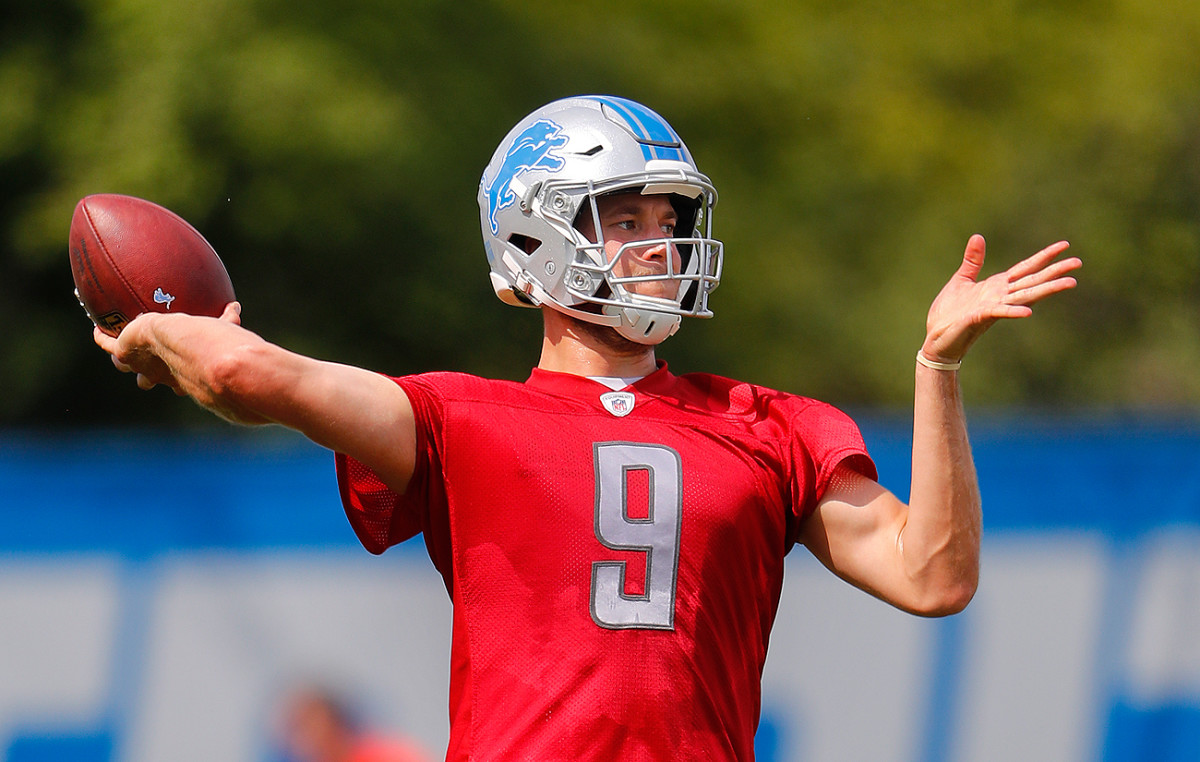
569	384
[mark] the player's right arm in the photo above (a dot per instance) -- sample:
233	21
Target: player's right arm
239	376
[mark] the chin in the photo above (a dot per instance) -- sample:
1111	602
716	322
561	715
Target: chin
608	337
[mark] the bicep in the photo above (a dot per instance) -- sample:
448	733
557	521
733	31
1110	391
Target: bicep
855	532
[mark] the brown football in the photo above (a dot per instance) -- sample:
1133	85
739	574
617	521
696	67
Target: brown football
130	256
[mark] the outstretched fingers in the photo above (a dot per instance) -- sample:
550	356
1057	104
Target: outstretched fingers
1041	275
1039	261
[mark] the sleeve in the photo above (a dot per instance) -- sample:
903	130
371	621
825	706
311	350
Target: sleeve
380	516
823	438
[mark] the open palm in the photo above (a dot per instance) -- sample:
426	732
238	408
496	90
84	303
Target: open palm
966	307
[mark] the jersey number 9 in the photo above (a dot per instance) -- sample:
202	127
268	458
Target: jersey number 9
656	535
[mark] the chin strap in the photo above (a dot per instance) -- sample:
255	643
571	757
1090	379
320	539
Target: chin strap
643	326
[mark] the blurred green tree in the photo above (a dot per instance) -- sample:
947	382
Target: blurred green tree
331	153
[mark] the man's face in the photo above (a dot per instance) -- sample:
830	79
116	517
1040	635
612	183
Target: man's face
631	217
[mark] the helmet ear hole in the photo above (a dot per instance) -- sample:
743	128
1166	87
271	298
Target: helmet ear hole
525	243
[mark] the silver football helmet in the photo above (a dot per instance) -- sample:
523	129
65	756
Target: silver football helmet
549	170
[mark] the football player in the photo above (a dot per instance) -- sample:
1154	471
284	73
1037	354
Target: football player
612	534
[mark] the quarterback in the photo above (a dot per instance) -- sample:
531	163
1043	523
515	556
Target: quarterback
612	535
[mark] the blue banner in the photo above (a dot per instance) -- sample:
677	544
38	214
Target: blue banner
157	592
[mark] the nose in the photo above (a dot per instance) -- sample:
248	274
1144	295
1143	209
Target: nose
658	252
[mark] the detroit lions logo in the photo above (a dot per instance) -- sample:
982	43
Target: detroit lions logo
533	149
162	297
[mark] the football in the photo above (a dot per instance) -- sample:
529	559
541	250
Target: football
130	256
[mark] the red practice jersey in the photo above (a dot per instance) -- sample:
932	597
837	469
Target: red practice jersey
615	559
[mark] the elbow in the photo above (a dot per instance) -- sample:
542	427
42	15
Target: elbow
945	578
948	597
950	601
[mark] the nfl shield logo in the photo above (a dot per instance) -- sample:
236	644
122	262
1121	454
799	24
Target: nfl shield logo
619	404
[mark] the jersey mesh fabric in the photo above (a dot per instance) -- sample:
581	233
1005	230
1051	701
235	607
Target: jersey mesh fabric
529	494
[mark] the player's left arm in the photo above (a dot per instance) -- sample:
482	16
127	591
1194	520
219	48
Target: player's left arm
923	556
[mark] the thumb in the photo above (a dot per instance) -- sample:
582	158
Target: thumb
972	263
233	313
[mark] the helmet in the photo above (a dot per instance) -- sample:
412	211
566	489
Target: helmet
549	170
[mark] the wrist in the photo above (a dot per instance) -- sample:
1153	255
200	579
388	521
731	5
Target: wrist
143	330
938	363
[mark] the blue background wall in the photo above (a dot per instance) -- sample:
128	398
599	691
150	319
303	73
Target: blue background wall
157	594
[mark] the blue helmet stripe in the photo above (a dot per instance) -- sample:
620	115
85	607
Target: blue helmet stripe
647	126
619	105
